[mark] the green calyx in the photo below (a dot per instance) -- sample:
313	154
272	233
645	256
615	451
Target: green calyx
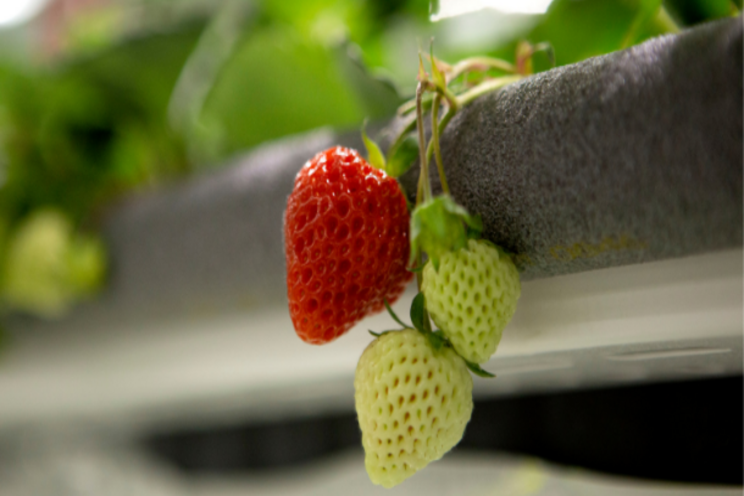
437	338
422	323
401	156
374	155
477	370
439	226
420	319
395	317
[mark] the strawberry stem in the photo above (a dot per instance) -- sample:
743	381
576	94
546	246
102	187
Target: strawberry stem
478	370
486	87
394	316
442	125
479	63
424	187
449	96
435	143
410	105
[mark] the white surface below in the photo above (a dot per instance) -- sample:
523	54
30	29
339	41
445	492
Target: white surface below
667	320
90	470
458	474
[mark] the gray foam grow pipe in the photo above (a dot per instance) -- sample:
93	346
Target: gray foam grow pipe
626	158
621	159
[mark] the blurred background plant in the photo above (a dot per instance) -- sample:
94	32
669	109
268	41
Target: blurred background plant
102	97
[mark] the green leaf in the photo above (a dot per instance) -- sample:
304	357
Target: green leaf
437	339
374	154
278	83
477	370
379	334
394	316
377	96
691	12
214	49
646	10
578	30
438	226
402	157
418	311
474	222
475	227
546	48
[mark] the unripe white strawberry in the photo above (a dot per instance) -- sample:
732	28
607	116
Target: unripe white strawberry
472	297
413	403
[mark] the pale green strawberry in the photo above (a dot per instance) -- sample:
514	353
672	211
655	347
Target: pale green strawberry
413	403
48	266
472	297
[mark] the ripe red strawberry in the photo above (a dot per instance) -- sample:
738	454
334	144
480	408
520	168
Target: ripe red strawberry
346	243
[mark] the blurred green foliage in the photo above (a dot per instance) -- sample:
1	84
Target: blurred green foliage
127	108
76	135
302	87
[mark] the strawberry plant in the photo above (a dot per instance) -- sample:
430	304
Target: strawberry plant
351	248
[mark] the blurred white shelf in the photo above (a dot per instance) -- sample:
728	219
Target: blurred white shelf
85	469
458	474
669	320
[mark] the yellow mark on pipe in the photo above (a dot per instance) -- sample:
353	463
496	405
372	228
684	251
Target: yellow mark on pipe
583	249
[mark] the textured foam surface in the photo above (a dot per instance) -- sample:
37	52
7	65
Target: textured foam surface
620	159
472	297
413	404
346	242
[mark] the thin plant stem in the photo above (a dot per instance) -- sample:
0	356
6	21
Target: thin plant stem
435	142
665	21
449	96
486	87
475	63
410	105
442	126
462	100
424	188
419	274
